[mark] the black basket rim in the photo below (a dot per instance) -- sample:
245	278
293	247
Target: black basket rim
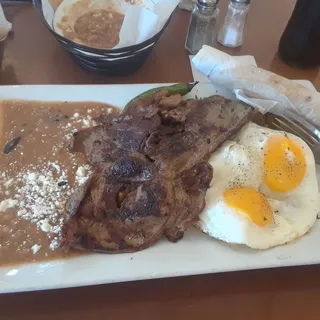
118	56
38	5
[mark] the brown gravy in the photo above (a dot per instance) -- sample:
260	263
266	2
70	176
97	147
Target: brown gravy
38	174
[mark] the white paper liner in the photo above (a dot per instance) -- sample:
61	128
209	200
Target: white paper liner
142	21
5	25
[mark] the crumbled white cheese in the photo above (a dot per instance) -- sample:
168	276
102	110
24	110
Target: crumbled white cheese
32	178
45	225
82	174
86	122
8	183
55	166
54	244
22	212
81	171
42	199
7	203
35	248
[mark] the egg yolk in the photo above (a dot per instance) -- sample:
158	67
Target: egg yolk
251	203
284	163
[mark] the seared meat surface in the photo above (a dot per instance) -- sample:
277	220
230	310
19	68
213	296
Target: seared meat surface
128	206
119	210
151	175
207	123
107	143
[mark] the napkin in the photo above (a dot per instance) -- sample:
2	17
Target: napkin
5	25
257	87
143	19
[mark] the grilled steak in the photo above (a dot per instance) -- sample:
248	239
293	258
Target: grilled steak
107	143
207	124
151	173
127	206
174	137
190	191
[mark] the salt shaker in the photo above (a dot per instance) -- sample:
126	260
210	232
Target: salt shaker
232	31
202	26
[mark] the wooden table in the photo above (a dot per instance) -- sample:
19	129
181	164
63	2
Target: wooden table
33	56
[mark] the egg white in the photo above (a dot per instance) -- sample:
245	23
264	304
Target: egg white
239	162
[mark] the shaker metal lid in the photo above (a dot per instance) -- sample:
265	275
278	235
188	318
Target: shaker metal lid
208	3
241	1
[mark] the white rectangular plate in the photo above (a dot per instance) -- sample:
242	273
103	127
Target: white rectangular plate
196	253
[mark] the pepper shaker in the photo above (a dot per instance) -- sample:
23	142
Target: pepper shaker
232	31
202	26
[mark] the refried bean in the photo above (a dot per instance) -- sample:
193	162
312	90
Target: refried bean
38	174
99	28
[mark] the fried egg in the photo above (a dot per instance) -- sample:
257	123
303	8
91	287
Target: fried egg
264	190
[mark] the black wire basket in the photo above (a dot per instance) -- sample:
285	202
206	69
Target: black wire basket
122	61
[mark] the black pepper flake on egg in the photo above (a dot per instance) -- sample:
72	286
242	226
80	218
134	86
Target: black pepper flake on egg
62	183
276	211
